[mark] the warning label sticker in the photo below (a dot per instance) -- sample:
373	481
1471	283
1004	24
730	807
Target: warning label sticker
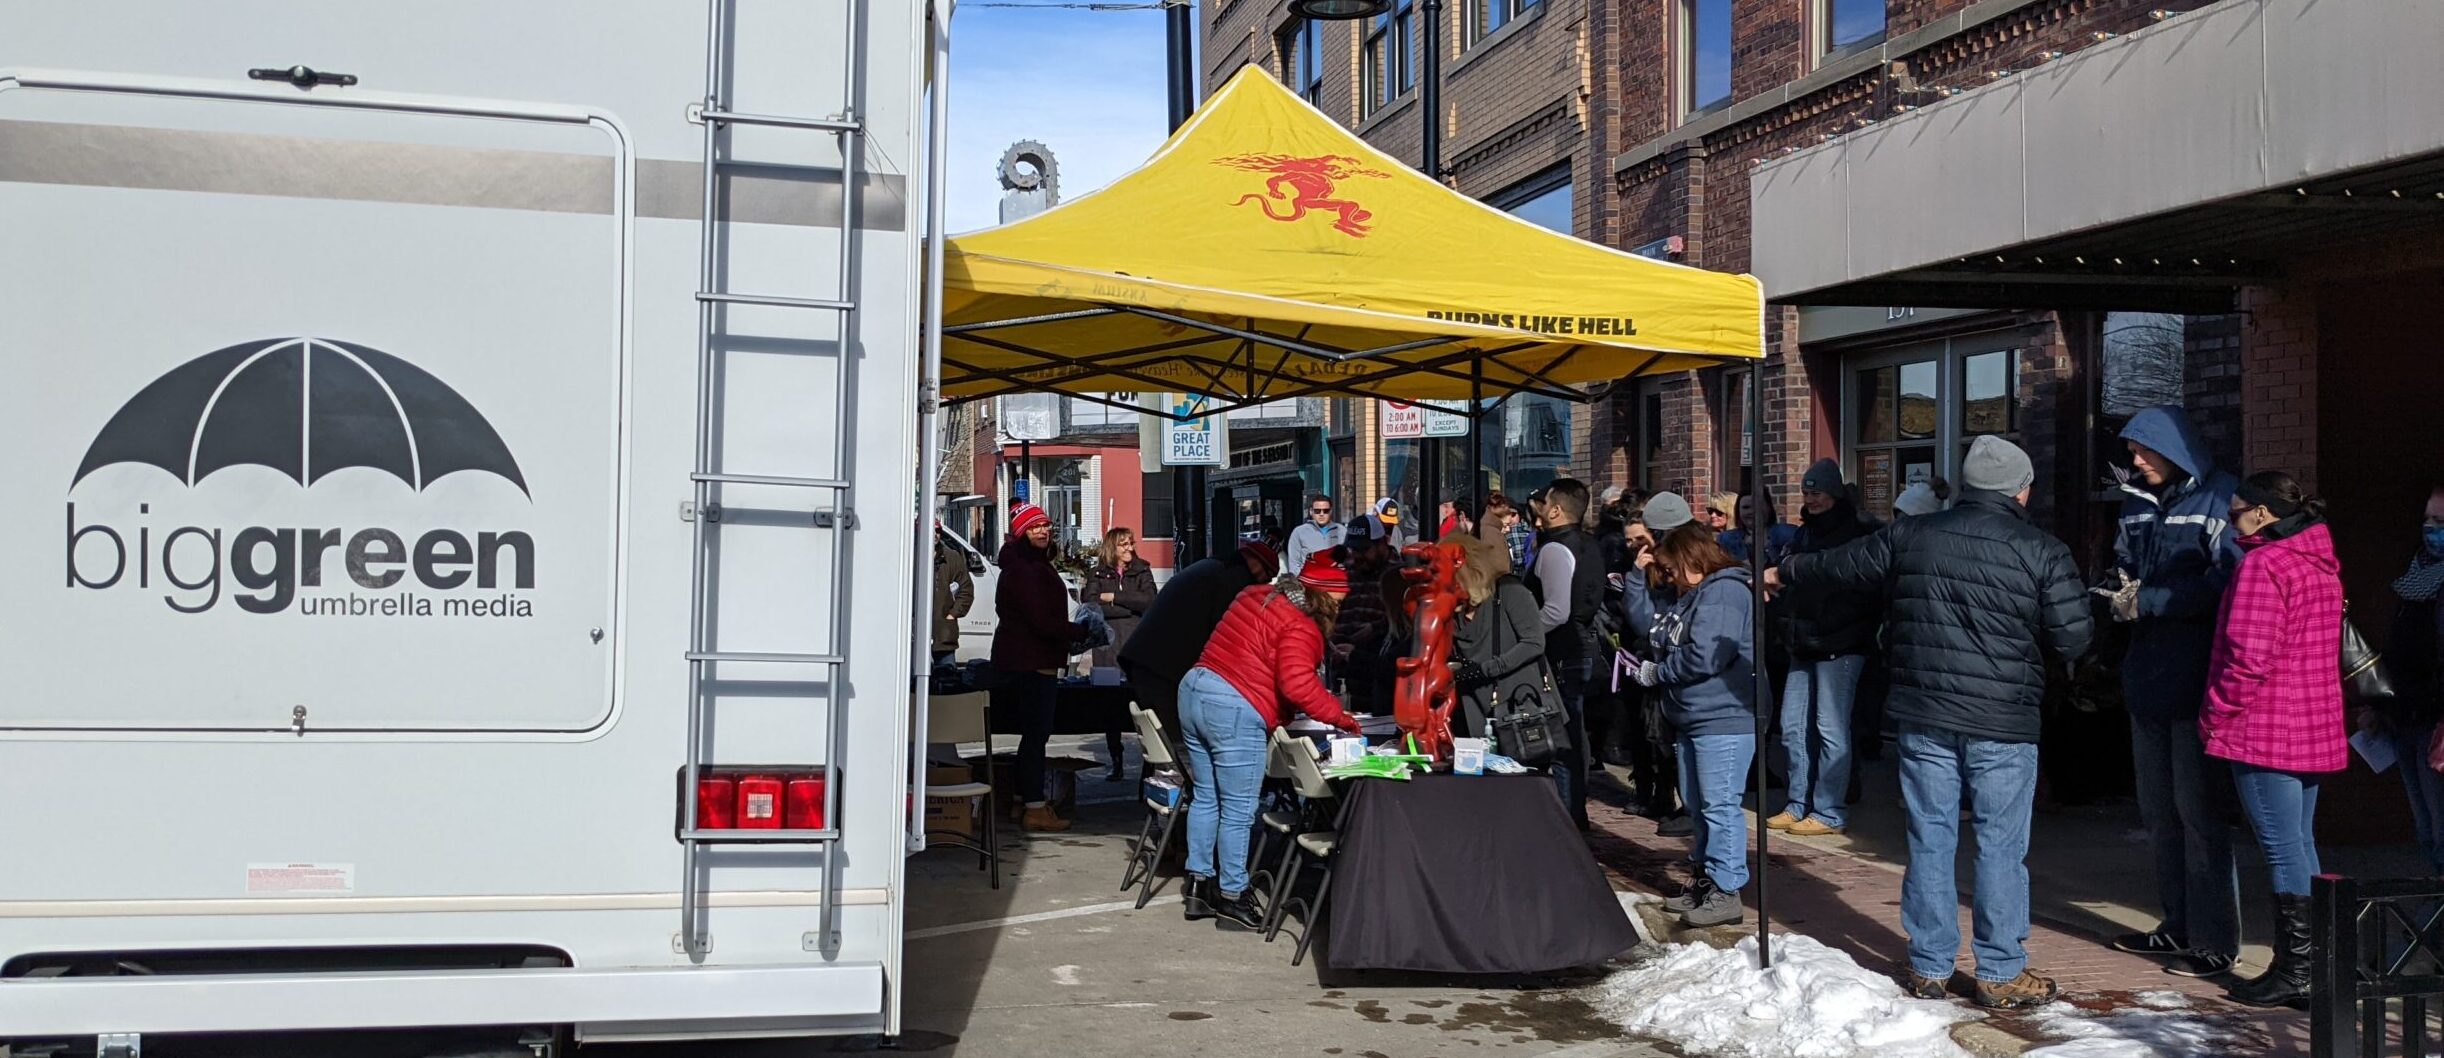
295	878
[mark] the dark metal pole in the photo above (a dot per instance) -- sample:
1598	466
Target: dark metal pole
1476	433
1430	162
1188	491
1758	531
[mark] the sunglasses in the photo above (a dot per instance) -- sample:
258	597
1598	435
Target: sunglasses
1319	510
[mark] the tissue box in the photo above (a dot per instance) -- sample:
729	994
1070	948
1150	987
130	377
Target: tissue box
1347	749
1468	756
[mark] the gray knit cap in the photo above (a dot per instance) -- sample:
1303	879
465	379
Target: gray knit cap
1666	512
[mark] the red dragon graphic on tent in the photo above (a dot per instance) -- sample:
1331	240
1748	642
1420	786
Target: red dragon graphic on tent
1307	185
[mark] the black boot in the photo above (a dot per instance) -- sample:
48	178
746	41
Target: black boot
1236	912
2284	984
1196	905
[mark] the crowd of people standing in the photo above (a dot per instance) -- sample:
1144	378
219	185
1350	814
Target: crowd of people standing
1626	621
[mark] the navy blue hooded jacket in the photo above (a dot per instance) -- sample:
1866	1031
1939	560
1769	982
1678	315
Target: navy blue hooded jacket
2179	546
1705	658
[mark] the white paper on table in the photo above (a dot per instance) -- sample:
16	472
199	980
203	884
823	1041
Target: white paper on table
2376	749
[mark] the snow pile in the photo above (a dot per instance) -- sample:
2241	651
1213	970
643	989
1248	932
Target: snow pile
1815	1003
2159	1032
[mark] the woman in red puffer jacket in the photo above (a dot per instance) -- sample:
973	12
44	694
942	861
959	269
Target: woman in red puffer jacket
2274	702
1261	662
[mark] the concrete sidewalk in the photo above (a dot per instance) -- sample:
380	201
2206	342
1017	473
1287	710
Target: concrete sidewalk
2090	877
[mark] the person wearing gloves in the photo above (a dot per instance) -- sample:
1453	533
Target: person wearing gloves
2274	704
1261	663
1030	644
2175	552
1498	641
1705	666
1829	635
1979	602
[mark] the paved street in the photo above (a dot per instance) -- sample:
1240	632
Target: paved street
1056	964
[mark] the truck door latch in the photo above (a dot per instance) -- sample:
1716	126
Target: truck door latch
301	76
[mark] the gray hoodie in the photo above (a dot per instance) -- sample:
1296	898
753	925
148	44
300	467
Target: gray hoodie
1705	657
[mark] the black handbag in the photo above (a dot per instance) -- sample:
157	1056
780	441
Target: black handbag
2363	671
1524	714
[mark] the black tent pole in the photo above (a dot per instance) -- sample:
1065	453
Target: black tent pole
1477	485
1758	531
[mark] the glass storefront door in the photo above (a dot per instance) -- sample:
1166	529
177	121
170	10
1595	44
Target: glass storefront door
1915	409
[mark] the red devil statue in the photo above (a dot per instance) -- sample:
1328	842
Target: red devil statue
1424	696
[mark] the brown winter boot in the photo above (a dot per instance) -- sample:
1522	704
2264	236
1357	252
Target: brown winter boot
2026	990
1043	818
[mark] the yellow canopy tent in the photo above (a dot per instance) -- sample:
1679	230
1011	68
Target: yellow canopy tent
1265	252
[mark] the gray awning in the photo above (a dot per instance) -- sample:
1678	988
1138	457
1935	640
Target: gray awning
2161	169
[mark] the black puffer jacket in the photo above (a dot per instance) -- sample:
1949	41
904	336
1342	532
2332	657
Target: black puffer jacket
1977	600
1821	621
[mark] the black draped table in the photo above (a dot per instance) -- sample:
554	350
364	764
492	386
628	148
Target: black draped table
1467	874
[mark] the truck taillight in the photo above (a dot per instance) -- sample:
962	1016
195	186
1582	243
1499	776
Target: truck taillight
756	797
759	803
805	802
716	803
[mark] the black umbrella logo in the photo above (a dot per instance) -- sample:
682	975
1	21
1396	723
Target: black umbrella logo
305	407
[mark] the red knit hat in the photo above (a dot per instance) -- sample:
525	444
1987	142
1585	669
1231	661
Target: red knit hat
1264	555
1324	572
1027	516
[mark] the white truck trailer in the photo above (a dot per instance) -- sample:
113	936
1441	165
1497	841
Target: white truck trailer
461	541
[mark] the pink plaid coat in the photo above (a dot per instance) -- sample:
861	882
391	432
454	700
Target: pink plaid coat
2274	688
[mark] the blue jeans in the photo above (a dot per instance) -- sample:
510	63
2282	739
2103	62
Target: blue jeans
1820	690
2282	808
2001	781
2426	790
2178	791
1713	769
1226	750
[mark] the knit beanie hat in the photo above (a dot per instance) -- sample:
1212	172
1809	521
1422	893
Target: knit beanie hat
1997	465
1264	555
1916	500
1324	572
1027	516
1666	512
1824	477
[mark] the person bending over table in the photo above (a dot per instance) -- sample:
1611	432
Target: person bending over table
1261	661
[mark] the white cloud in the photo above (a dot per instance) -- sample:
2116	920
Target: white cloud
1088	84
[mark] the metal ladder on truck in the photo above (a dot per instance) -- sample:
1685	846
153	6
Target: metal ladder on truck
718	121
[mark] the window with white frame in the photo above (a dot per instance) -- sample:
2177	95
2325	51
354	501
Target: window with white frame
1845	24
1703	40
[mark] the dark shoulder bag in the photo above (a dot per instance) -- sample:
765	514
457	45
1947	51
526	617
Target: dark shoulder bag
1524	714
2364	677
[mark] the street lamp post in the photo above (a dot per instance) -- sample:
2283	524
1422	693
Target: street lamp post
1188	494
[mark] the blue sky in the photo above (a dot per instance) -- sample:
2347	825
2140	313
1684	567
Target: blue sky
1088	84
